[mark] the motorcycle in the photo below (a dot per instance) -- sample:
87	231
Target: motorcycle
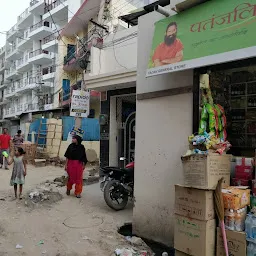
117	185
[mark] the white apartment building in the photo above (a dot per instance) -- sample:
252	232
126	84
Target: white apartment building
2	84
31	51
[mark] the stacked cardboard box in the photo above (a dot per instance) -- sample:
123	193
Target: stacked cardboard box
195	224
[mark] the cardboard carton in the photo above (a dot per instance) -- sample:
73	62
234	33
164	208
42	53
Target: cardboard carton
194	203
236	197
236	243
201	171
194	237
178	253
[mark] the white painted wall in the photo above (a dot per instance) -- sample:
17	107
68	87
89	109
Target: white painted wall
115	57
162	127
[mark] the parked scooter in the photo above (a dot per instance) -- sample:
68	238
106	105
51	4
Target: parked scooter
117	185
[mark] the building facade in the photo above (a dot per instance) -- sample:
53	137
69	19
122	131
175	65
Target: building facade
101	46
31	60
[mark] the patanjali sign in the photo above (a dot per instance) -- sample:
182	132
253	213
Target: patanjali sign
80	103
214	32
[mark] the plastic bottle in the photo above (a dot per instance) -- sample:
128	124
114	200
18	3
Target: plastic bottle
230	219
239	220
253	227
226	219
250	249
248	227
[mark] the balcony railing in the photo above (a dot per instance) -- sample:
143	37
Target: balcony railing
37	52
51	38
2	49
13	29
11	70
12	110
23	15
39	25
34	80
48	70
31	107
11	49
20	108
22	61
24	38
69	57
53	5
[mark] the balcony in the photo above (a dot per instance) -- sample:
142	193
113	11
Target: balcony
27	85
2	101
33	107
37	7
12	33
2	66
10	92
2	84
50	43
14	111
2	50
40	30
48	73
23	64
40	57
11	73
58	10
71	63
25	42
12	53
25	19
19	108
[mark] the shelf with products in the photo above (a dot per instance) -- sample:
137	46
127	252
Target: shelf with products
243	110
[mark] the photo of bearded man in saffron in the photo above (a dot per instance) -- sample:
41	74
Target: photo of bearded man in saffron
171	50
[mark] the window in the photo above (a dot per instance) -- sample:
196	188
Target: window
65	89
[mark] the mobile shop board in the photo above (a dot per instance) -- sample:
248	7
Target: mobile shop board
80	103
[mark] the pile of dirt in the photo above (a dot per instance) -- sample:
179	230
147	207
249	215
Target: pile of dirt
44	195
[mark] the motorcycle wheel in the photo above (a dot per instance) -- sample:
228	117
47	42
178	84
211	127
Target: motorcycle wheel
110	192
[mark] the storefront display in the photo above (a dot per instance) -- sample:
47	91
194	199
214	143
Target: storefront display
235	90
207	161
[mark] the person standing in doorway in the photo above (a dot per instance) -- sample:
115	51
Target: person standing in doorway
75	164
18	140
5	140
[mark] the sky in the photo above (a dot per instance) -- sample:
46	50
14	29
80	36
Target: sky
10	10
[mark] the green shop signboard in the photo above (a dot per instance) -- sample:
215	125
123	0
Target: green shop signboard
214	32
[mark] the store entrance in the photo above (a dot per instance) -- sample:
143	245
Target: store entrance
233	86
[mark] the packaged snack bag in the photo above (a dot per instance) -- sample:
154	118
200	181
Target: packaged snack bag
202	127
204	114
210	109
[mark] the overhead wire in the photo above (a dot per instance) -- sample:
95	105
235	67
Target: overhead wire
119	40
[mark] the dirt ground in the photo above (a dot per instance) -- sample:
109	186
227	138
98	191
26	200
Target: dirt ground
70	227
